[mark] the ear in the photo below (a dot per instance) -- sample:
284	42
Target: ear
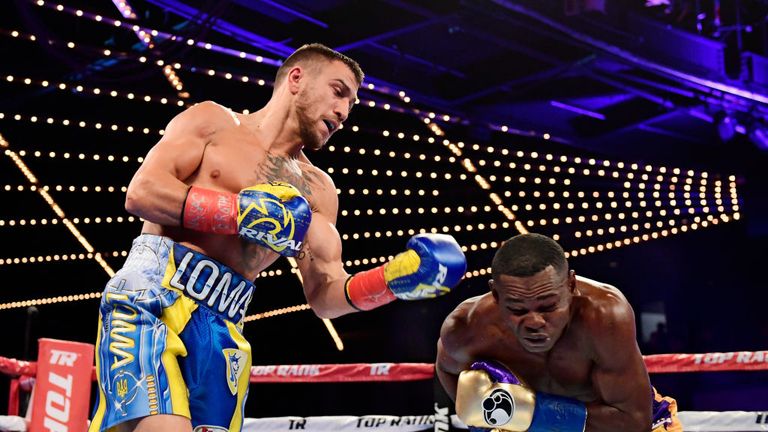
491	285
293	79
572	280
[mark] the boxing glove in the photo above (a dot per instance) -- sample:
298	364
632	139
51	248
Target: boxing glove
273	215
488	395
431	267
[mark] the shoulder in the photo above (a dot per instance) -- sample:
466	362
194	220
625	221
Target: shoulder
460	325
321	184
204	118
463	333
604	310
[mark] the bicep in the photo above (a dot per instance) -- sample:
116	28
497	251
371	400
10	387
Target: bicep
452	355
619	376
320	263
321	257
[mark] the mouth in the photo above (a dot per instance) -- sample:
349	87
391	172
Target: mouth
536	340
331	126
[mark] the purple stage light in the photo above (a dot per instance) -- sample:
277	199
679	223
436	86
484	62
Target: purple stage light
582	111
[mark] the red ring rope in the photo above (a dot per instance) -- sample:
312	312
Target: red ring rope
658	363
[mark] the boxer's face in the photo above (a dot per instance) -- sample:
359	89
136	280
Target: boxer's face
326	97
537	308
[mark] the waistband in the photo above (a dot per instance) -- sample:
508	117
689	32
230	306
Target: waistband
201	278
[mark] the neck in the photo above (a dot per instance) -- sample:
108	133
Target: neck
278	127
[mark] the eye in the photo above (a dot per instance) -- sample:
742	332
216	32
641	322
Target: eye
337	91
517	312
548	308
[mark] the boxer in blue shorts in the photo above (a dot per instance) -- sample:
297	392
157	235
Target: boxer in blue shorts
172	318
223	195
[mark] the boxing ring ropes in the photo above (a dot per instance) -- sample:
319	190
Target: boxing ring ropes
22	379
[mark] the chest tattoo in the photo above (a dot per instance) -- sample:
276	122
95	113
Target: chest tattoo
279	168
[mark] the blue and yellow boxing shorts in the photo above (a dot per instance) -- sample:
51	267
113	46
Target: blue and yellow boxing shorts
664	413
170	339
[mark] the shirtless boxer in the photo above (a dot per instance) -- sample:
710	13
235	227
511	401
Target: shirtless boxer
546	350
223	195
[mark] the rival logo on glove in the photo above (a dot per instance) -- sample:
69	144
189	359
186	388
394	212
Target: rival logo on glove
442	273
271	237
498	407
277	243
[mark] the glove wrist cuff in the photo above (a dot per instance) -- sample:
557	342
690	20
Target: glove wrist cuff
368	289
559	413
209	211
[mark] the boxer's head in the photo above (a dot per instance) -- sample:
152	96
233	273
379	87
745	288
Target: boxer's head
533	288
323	86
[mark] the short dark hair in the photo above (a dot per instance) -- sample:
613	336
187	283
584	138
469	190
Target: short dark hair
312	53
525	255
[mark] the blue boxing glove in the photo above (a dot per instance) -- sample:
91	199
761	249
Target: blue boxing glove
273	215
491	396
431	267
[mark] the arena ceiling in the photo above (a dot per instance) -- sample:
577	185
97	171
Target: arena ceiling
475	117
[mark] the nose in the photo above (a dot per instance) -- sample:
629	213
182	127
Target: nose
341	110
534	322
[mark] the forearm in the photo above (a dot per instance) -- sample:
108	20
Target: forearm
341	293
448	381
328	300
158	199
606	418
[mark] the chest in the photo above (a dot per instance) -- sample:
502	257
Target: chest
234	160
564	370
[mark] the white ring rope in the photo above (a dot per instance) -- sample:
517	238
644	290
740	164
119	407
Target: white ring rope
692	421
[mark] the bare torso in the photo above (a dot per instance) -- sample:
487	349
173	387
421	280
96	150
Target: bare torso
234	158
564	370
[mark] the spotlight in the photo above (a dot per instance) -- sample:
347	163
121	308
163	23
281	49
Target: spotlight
759	136
726	126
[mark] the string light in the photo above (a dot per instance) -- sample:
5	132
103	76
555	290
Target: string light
97	91
407	210
647	225
650	236
157	33
631	170
54	206
62	188
76	221
49	300
276	312
469	166
80	297
59	257
475	273
199	44
82	124
414	231
175	81
527	133
81	156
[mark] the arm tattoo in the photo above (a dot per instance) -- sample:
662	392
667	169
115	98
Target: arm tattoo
306	252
